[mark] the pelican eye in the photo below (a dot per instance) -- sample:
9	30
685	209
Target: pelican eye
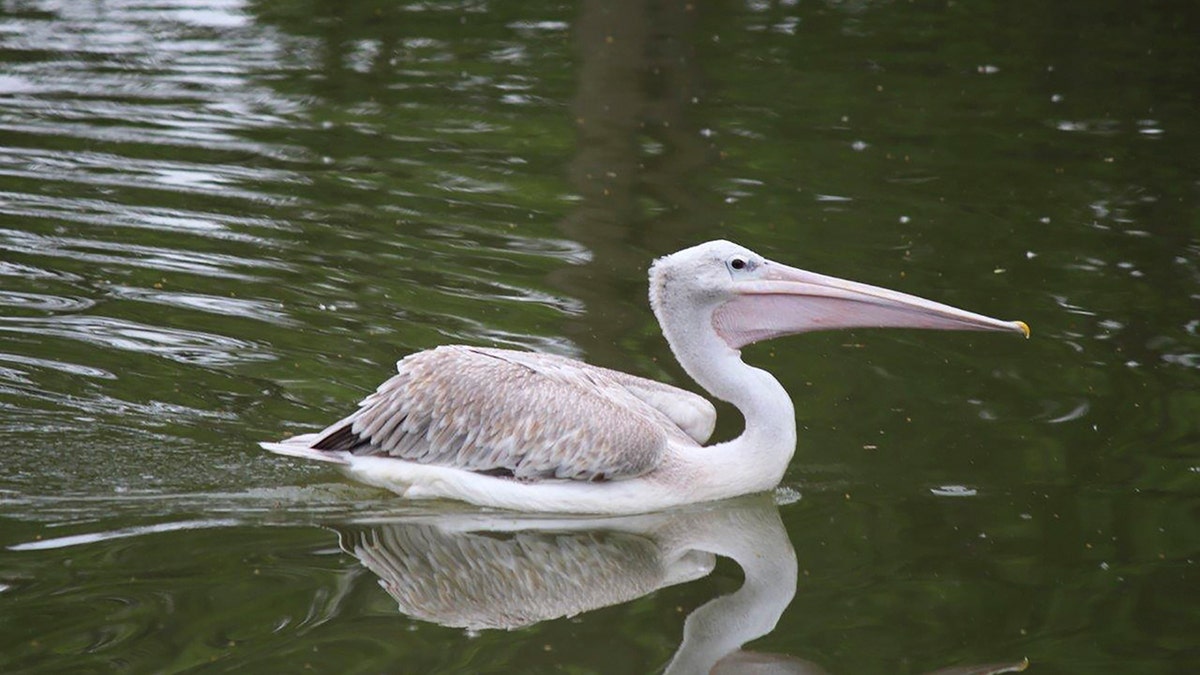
739	265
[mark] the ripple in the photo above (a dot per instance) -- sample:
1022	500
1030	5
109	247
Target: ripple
1080	410
11	269
94	212
61	366
1098	126
475	288
954	491
539	26
177	345
1063	302
113	171
785	495
474	240
1185	360
43	302
122	533
100	253
260	310
466	184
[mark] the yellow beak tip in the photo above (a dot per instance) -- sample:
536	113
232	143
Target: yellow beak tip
1024	328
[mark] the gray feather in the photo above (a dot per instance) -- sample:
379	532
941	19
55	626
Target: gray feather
522	414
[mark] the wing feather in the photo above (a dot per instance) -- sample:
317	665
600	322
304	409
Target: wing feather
510	413
692	413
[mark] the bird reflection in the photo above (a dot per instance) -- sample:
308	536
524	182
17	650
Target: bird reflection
503	571
477	573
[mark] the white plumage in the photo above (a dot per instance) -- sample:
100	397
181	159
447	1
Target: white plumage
539	432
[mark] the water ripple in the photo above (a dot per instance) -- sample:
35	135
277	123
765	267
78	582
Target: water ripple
1080	409
59	208
261	310
121	533
177	345
111	171
13	269
482	289
43	302
61	366
121	253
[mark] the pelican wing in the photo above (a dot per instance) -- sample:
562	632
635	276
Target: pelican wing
507	413
692	413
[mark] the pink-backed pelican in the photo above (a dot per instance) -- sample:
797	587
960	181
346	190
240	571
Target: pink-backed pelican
539	432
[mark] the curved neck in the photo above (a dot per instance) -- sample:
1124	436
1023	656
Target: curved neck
757	459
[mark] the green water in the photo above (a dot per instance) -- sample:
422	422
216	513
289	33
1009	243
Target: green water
222	222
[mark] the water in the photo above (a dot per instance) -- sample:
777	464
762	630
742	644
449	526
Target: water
221	222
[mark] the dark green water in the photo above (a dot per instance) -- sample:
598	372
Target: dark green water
222	222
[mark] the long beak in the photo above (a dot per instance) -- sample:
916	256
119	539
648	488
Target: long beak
785	300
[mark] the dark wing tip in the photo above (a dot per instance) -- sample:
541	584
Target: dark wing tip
342	438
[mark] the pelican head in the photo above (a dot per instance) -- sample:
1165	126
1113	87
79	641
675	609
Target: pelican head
748	298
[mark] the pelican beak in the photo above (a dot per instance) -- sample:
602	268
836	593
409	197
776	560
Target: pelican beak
784	300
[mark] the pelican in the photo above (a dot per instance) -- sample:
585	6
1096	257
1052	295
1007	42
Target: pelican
538	432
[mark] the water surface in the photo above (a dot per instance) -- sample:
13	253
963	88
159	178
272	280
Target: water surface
222	222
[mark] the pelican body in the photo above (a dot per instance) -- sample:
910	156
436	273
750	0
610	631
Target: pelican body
537	432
